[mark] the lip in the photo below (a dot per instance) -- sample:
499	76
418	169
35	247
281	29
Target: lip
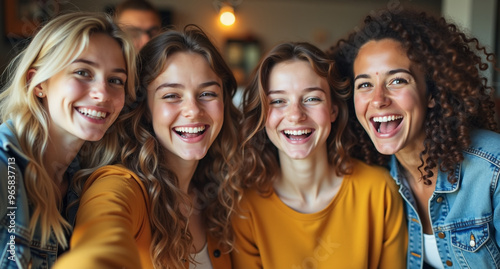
385	135
93	113
298	130
188	130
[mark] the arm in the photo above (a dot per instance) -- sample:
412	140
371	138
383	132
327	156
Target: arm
111	213
246	253
395	232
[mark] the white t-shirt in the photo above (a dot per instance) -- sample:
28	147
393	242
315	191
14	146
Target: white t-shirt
431	254
202	259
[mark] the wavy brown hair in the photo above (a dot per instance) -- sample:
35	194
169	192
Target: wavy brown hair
260	156
453	63
143	154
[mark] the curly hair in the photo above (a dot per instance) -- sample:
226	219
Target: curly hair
453	63
144	155
53	48
260	156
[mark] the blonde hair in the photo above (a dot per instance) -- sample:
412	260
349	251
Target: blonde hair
143	154
52	49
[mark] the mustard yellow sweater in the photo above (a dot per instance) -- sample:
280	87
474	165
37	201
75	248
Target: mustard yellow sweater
112	227
364	226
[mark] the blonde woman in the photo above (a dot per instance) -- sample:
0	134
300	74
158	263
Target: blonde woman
168	204
67	87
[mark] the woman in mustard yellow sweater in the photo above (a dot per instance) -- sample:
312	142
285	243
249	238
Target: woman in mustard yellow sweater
168	205
307	204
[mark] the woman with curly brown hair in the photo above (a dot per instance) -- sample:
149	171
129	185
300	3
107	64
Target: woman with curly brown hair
307	204
169	201
420	97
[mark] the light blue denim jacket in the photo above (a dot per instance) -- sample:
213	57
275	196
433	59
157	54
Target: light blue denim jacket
18	249
465	216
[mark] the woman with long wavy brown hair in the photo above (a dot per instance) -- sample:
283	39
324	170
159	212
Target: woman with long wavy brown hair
169	202
307	203
421	98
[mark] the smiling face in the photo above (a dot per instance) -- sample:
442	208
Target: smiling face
390	97
86	97
186	105
300	112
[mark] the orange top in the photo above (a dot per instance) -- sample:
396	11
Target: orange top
364	226
112	225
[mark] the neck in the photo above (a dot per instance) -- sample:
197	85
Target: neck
410	163
183	169
307	180
58	156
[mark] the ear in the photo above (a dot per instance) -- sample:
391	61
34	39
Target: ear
334	113
38	90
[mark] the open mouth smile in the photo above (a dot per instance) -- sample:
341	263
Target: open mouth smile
91	113
190	132
386	124
297	134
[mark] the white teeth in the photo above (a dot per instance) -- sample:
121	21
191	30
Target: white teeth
386	118
92	113
297	132
190	130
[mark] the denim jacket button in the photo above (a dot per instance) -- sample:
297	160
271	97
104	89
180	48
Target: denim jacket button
449	263
439	199
441	235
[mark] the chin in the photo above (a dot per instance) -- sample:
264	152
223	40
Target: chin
385	150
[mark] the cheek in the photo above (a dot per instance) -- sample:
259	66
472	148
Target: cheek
272	120
359	106
119	101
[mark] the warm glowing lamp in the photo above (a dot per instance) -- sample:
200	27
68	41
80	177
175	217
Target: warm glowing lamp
227	15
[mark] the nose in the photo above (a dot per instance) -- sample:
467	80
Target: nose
99	91
295	112
191	108
379	96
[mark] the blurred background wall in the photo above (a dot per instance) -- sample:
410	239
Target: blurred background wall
260	24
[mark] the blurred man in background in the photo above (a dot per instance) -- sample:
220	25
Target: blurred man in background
140	19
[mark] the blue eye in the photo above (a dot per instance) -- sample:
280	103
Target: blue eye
312	99
276	102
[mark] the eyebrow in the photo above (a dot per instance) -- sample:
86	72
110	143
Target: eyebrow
311	89
119	70
390	72
179	85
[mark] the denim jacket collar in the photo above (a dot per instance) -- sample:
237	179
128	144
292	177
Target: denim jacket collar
442	183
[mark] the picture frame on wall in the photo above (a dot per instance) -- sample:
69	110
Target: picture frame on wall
242	55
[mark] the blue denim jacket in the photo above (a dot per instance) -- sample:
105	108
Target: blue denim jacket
18	249
465	216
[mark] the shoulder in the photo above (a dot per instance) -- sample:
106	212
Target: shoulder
115	178
113	172
485	144
481	137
